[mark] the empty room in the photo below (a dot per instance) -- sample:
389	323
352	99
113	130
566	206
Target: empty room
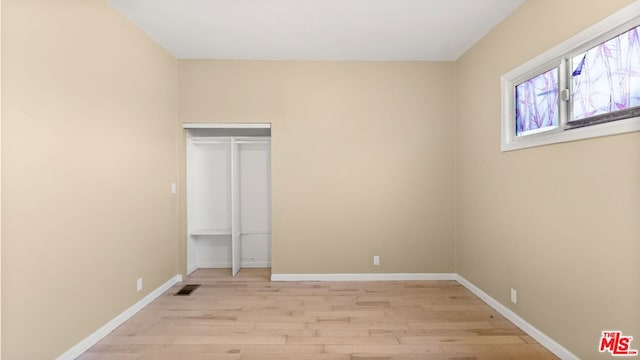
320	179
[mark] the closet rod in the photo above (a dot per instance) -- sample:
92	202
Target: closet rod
201	142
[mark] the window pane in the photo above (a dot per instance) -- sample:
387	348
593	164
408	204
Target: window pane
606	78
537	103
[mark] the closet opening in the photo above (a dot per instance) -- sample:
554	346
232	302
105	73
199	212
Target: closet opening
228	196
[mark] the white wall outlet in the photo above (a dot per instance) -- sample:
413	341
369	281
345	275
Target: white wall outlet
174	189
514	296
139	285
376	260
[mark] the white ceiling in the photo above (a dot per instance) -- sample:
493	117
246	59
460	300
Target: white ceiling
317	29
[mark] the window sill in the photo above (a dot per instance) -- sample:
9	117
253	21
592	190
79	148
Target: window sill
587	132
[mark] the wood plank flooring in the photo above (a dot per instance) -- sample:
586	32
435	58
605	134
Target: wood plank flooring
250	318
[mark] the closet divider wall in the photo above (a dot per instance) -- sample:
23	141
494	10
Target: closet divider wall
228	196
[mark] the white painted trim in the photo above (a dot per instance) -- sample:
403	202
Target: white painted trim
532	331
587	132
363	277
99	334
226	125
559	350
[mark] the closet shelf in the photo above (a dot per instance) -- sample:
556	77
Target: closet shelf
197	232
255	232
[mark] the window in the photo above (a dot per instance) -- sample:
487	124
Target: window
586	87
537	104
606	79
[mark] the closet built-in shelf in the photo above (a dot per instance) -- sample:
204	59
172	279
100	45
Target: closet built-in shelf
255	232
204	232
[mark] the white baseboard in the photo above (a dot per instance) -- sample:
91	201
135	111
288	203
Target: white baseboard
538	335
99	334
363	277
559	350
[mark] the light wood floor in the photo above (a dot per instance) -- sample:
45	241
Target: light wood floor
251	318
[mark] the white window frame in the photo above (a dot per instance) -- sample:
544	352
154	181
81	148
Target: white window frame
558	56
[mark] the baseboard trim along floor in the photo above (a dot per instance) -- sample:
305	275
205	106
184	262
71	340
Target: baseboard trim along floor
544	340
99	334
364	277
532	331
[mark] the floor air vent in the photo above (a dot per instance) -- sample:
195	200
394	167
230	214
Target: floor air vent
187	290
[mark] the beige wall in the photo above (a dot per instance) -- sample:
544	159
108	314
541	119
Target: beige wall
559	223
362	157
88	156
367	159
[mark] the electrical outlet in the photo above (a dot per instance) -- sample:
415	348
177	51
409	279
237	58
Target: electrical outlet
514	296
376	260
139	285
174	189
